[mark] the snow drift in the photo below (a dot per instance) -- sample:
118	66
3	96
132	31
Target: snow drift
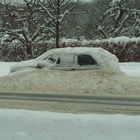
70	82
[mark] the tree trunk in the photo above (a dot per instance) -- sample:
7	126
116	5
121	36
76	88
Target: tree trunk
30	50
57	23
57	34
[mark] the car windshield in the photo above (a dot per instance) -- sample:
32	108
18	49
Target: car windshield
51	58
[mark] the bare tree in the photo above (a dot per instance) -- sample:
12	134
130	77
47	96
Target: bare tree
96	9
120	20
23	23
57	10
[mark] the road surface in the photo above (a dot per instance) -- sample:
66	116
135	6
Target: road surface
71	103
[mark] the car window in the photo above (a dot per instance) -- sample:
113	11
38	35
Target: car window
65	60
86	60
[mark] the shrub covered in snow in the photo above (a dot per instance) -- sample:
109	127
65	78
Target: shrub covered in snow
125	48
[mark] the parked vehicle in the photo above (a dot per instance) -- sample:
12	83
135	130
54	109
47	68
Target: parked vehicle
80	58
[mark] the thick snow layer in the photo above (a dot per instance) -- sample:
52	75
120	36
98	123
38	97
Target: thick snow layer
105	59
93	82
68	58
36	125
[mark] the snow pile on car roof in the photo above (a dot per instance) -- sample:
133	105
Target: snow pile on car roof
108	61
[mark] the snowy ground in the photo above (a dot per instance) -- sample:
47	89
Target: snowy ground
36	125
4	68
131	69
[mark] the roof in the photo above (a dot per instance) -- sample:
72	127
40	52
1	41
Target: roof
70	50
77	50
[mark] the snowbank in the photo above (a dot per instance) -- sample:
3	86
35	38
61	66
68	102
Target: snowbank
35	125
92	82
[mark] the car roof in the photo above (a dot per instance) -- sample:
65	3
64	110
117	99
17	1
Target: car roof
76	50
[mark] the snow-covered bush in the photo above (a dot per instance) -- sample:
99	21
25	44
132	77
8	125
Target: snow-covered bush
120	20
125	48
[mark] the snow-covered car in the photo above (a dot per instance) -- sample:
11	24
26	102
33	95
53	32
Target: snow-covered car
81	58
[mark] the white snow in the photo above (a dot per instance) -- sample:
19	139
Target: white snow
117	40
36	125
114	1
4	68
4	38
94	82
130	68
103	57
122	40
